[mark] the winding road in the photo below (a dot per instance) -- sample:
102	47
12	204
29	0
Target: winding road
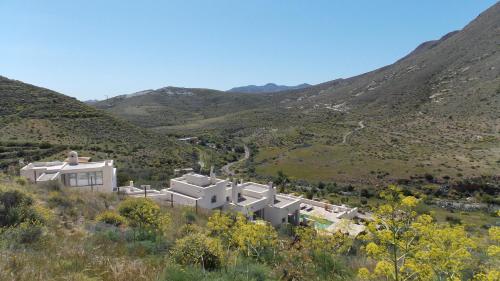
226	169
361	126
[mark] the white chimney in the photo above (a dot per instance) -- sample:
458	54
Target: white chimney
271	192
212	175
131	184
234	192
73	158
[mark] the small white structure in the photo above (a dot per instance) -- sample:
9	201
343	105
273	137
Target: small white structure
252	199
75	172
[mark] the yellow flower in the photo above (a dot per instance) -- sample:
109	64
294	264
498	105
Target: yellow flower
364	274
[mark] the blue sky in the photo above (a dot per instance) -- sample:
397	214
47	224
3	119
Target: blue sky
89	49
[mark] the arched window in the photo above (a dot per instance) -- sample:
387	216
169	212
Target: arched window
214	199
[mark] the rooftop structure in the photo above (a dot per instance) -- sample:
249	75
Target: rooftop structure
252	199
192	189
74	171
261	201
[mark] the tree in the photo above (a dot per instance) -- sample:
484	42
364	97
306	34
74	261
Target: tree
254	238
144	214
219	224
411	247
489	270
391	235
323	249
443	251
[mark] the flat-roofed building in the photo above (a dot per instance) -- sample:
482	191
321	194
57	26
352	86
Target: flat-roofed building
193	189
261	201
78	172
252	199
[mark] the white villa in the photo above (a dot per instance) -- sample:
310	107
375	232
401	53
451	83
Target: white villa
252	199
75	171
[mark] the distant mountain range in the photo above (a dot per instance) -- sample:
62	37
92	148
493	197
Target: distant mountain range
268	88
435	111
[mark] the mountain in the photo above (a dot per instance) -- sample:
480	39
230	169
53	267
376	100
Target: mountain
268	88
39	124
435	111
171	106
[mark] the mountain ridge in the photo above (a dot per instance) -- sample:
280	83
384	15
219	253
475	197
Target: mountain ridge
267	88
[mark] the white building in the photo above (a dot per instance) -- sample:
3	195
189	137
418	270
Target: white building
252	199
261	201
75	172
193	189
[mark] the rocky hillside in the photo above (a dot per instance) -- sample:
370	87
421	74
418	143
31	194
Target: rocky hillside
436	111
38	123
178	106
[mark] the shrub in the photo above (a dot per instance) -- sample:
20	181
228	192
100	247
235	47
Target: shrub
200	250
140	212
111	217
21	181
28	232
453	220
17	207
51	185
58	199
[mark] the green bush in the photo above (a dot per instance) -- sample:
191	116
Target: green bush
17	207
51	185
111	217
140	212
24	233
58	199
200	250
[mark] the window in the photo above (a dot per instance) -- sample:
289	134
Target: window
214	199
85	179
72	179
95	178
227	198
283	220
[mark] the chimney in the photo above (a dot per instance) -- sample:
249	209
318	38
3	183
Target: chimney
212	175
234	192
131	184
73	158
271	192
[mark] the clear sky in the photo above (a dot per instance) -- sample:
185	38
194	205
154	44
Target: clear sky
92	48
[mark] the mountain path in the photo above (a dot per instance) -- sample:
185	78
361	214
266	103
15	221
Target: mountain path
346	135
226	169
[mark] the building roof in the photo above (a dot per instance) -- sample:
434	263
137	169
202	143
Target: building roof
255	187
90	165
246	200
282	201
47	177
56	166
197	180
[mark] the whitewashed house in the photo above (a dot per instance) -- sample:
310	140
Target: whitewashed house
261	201
252	199
75	171
193	189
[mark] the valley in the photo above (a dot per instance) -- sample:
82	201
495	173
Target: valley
434	111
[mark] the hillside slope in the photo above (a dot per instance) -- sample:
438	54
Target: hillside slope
436	111
38	123
177	106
